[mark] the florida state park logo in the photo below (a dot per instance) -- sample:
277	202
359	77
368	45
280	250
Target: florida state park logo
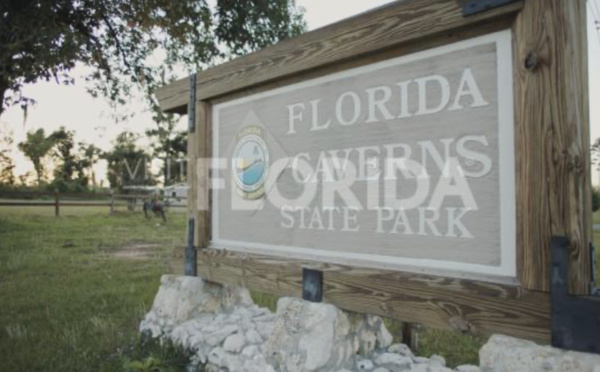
250	162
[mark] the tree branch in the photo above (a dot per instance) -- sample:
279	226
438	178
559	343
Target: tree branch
96	47
117	41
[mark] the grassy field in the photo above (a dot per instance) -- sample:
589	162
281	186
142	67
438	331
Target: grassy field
73	290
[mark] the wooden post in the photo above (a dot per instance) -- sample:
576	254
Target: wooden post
410	337
112	201
198	176
201	199
552	140
130	203
56	203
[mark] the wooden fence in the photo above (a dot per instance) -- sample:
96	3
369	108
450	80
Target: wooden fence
58	200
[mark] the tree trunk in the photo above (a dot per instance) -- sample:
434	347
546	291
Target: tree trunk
38	171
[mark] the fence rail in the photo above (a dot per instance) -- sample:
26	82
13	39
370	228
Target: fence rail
85	200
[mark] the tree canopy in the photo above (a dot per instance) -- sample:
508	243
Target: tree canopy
130	43
70	166
128	164
7	166
36	146
73	163
91	154
169	145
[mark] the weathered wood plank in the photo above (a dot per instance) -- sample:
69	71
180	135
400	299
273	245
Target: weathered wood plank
438	302
198	176
552	139
499	24
383	28
584	126
203	152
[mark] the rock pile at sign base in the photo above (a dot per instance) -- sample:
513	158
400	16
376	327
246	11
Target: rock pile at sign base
226	331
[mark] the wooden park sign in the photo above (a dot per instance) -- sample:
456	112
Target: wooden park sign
421	156
405	163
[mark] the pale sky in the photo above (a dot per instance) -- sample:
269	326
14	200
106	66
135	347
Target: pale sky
92	118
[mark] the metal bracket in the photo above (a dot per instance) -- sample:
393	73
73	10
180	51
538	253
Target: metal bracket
312	285
190	251
478	6
192	105
594	291
575	319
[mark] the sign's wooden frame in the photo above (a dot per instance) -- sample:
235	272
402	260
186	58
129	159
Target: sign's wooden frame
552	159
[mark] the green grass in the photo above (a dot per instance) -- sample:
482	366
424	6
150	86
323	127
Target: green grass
456	348
68	303
71	297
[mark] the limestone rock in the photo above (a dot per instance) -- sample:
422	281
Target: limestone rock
381	369
437	360
234	343
265	328
217	356
468	368
401	349
222	327
364	365
420	360
370	332
181	298
507	354
384	337
217	337
429	368
309	337
250	351
253	337
396	360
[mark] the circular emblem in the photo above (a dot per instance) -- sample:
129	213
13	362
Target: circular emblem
250	162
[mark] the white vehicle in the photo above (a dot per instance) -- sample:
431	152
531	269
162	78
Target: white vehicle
176	194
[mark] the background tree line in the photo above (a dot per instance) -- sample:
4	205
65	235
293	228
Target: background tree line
128	46
127	163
